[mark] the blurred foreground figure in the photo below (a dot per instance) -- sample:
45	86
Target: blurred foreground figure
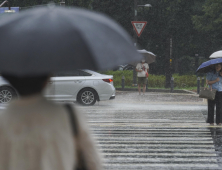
37	134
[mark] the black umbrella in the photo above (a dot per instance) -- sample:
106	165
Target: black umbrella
51	39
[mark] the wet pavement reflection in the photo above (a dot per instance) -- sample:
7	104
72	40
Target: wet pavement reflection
217	138
154	133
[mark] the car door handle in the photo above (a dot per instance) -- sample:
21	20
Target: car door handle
50	82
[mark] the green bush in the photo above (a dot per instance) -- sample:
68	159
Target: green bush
154	81
185	81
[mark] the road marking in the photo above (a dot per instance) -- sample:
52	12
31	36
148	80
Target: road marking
142	166
142	139
157	125
150	160
149	132
157	130
153	135
149	121
126	150
2	107
157	142
155	138
159	145
160	154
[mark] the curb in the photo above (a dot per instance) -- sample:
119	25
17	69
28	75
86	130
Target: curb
158	90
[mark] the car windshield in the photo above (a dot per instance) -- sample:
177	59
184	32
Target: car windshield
73	73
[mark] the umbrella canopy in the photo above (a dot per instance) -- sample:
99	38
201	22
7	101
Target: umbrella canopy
217	54
208	65
147	55
50	39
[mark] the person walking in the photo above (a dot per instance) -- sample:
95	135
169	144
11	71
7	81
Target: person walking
214	80
37	134
141	70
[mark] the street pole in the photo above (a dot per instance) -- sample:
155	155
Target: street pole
196	62
171	56
135	44
169	60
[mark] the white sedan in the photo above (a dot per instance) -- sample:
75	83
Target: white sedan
84	86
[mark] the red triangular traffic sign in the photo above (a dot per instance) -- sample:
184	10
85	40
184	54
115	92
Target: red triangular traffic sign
139	26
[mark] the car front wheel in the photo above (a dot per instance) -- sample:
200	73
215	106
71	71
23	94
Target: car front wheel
87	97
7	94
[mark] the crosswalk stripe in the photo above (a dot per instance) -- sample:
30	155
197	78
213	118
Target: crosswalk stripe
160	160
154	138
158	129
156	150
157	142
149	132
152	125
159	154
139	166
149	121
159	145
156	135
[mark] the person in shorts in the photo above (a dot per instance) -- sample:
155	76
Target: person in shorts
141	70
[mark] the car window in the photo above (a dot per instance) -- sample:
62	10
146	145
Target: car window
83	73
68	73
72	73
91	72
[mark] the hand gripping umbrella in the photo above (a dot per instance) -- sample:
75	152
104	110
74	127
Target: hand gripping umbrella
208	65
50	39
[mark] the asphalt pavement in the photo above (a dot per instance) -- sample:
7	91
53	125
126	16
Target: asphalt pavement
155	131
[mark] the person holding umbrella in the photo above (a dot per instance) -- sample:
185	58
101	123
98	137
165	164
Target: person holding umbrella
142	69
213	79
37	134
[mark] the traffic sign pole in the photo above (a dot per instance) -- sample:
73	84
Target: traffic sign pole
135	43
138	27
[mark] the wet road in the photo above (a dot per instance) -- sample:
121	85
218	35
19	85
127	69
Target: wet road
155	131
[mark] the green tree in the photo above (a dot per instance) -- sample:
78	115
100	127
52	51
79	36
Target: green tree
208	22
119	10
192	24
210	19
